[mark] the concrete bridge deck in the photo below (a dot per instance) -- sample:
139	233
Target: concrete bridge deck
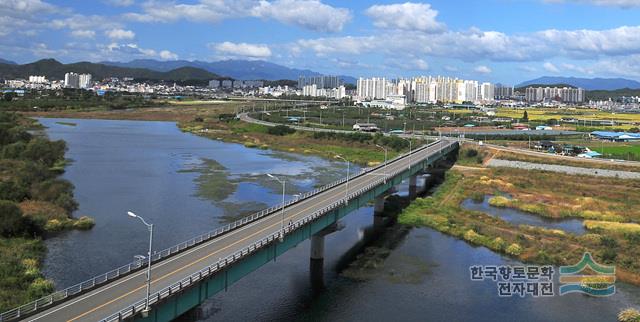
205	258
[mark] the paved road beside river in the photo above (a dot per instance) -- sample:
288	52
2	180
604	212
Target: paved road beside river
564	169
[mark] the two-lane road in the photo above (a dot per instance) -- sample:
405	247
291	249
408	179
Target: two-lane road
123	292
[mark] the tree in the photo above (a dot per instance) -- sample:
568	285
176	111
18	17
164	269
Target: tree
525	117
45	151
57	191
13	223
8	96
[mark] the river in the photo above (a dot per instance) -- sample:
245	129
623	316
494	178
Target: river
187	185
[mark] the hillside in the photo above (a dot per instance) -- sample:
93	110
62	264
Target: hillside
237	69
590	84
55	70
8	62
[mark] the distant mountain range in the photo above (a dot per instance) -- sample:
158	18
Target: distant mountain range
8	62
237	69
590	84
54	70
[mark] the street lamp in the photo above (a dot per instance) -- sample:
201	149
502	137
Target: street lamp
385	157
146	310
283	191
346	190
409	151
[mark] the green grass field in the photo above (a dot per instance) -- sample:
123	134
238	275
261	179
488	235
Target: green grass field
626	151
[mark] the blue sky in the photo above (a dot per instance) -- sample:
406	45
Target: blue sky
505	41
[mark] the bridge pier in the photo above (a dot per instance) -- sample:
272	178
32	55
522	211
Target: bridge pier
378	212
413	186
316	258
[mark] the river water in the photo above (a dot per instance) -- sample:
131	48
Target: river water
187	185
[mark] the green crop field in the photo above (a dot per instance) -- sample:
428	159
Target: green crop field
620	151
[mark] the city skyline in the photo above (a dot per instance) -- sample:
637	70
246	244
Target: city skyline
484	40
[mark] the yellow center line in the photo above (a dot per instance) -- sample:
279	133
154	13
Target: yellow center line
195	262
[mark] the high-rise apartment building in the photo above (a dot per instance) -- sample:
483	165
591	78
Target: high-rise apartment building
71	80
323	81
84	81
427	89
561	94
503	92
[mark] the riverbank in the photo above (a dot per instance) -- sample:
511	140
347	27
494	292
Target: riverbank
34	203
608	206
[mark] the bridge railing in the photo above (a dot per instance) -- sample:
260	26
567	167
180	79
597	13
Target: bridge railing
177	287
75	290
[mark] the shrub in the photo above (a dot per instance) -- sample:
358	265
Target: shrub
633	238
629	315
471	153
12	223
499	201
514	249
498	244
608	241
57	191
609	255
84	223
535	209
40	287
280	130
472	236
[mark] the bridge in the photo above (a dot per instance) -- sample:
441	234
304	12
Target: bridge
187	274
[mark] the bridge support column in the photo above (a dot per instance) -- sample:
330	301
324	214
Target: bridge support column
413	186
378	212
316	261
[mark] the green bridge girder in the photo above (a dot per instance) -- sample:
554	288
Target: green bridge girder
190	298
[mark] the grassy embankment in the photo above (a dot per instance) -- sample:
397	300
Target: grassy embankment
34	202
608	206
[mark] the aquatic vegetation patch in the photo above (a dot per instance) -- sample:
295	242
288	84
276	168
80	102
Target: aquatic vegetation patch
614	227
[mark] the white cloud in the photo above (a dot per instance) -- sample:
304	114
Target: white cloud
26	7
128	51
84	22
234	50
167	55
627	66
482	69
550	67
475	45
83	33
205	11
24	16
405	16
309	14
120	34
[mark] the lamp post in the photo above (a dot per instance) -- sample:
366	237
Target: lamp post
283	191
146	310
385	157
409	151
346	190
